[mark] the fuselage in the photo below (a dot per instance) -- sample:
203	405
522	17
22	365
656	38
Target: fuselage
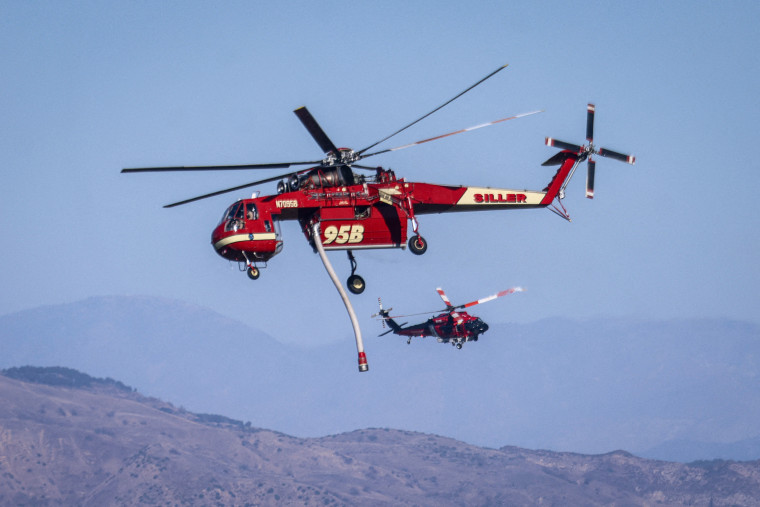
356	212
446	327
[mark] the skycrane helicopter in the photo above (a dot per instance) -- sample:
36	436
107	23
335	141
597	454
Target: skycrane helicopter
344	210
451	326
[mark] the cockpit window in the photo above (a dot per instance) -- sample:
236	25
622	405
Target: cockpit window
227	213
251	213
234	216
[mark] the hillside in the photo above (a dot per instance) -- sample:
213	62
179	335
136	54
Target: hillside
84	441
677	390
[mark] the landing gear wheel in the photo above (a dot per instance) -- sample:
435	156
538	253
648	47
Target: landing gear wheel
417	245
356	284
253	273
459	346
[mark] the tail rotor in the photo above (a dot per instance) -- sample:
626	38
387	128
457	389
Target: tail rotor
586	151
383	314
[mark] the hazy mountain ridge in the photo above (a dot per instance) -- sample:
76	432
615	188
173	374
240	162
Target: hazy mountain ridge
590	386
100	444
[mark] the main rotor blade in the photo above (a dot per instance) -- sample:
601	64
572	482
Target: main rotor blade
416	314
629	159
491	297
468	129
226	190
562	145
433	111
450	308
444	297
590	123
315	130
216	167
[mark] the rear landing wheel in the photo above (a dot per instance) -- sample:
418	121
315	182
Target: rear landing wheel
356	284
417	245
459	346
253	273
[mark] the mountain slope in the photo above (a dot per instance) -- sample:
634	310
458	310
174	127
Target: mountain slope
104	444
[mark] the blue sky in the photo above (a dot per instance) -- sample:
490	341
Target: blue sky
91	87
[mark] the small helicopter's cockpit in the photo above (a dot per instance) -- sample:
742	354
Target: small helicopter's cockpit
477	326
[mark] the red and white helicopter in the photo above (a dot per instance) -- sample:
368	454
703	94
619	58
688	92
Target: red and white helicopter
451	326
344	210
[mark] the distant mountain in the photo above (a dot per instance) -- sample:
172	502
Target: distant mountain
584	386
687	451
70	439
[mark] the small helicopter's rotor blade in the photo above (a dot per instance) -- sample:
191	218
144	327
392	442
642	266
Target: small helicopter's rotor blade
219	192
590	178
433	111
562	145
315	130
468	129
416	314
491	297
279	165
444	297
590	123
385	333
629	159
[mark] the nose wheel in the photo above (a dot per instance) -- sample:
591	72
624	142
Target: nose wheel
250	268
355	283
253	273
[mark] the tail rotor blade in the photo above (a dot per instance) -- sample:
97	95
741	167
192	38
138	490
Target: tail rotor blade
590	123
629	159
562	145
590	179
380	304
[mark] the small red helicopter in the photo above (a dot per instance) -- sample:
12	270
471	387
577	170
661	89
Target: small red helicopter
348	211
451	326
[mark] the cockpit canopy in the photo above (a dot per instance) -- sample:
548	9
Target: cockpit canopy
240	211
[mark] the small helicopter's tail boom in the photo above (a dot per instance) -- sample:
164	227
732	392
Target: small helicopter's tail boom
395	327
